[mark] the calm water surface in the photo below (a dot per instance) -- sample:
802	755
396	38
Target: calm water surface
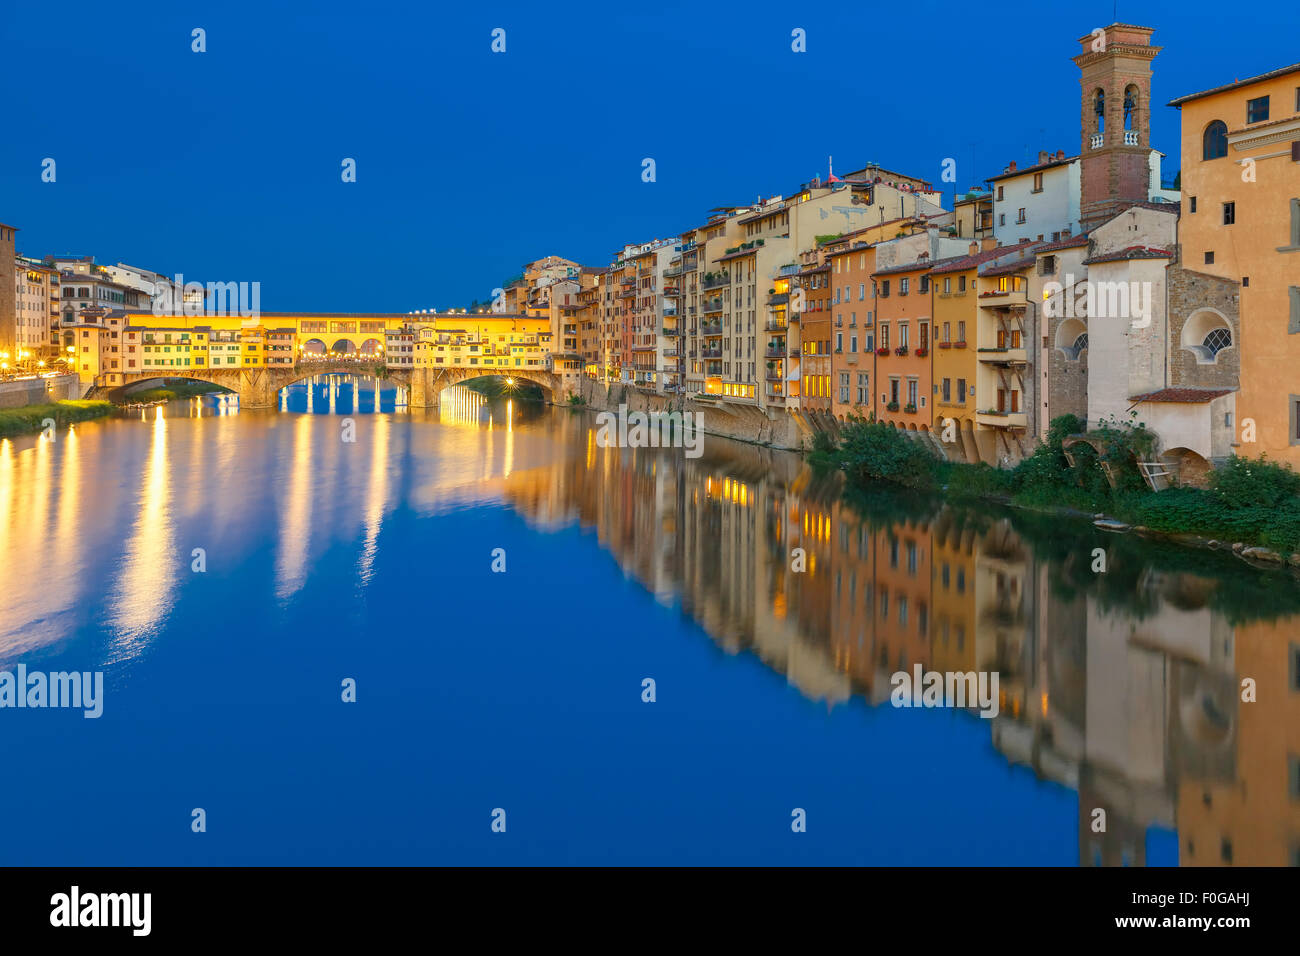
371	559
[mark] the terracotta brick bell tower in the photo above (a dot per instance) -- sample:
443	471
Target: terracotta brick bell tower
1115	144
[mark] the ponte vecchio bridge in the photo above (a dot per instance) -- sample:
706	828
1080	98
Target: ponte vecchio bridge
256	357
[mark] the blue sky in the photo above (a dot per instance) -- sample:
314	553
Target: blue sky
226	165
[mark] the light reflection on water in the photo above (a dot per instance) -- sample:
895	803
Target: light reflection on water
1121	688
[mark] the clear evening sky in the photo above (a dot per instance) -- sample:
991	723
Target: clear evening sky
225	165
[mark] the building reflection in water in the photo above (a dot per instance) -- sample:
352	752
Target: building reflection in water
1124	686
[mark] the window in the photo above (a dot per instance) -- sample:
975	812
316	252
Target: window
853	343
903	286
1047	266
1020	216
1192	200
947	284
1209	258
1214	142
1099	108
1257	110
1002	219
947	390
1295	151
1217	340
1229	213
961	391
925	284
1038	182
961	283
1000	194
961	331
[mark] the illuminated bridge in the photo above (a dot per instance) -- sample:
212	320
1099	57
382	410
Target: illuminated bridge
257	357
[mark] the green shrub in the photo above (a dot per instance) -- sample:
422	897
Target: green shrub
824	442
1255	482
870	453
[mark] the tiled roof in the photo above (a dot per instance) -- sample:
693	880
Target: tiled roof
1069	242
1132	252
1197	395
962	263
1032	169
1283	71
1010	268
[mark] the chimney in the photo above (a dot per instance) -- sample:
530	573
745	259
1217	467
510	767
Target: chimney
1011	166
1060	154
974	247
1043	156
989	242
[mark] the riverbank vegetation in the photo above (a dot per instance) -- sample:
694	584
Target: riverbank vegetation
182	388
30	419
1250	500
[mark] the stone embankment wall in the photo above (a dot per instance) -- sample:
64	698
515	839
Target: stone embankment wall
38	391
775	428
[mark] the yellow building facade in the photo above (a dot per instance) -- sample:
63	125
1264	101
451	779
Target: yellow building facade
1241	220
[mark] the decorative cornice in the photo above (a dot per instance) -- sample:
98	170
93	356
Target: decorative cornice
1244	139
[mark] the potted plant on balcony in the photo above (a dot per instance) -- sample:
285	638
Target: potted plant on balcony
922	353
892	406
883	350
901	350
945	345
910	409
959	344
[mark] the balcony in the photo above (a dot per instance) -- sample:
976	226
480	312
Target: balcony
996	419
1003	355
775	325
711	328
671	332
712	306
1130	137
778	298
1000	298
711	353
1097	140
775	351
716	280
673	271
775	375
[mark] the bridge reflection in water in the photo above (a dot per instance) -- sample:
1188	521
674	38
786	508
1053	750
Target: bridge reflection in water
1120	691
342	393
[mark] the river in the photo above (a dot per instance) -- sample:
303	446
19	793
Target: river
231	571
